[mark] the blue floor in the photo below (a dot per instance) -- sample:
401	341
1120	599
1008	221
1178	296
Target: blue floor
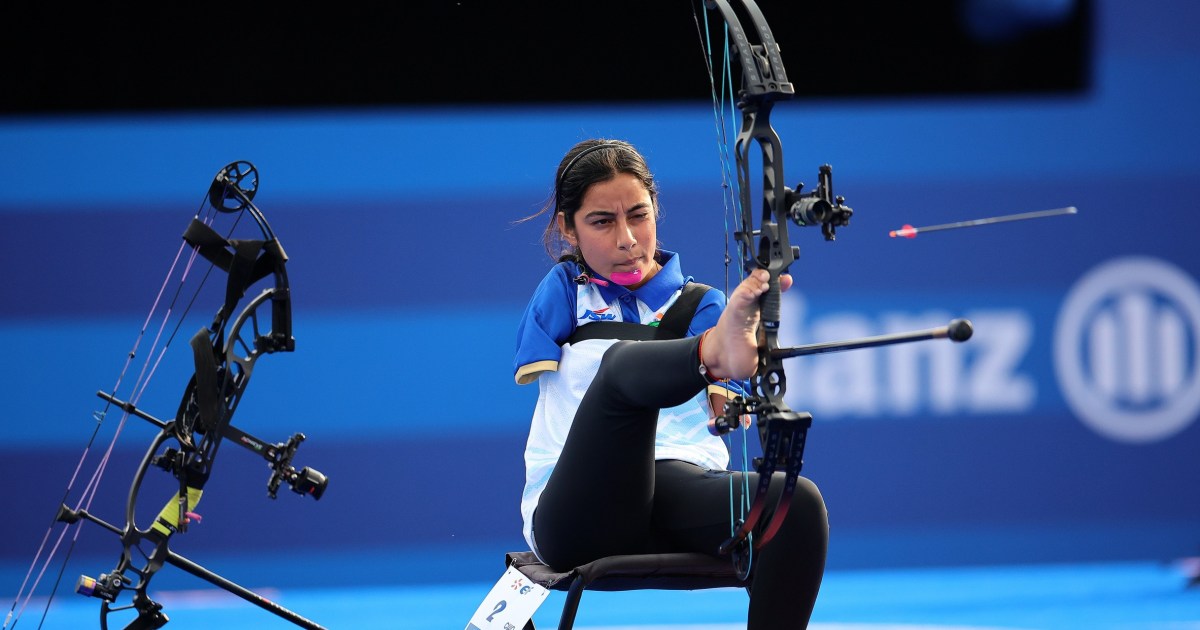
1096	596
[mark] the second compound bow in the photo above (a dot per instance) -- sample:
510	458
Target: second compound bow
224	354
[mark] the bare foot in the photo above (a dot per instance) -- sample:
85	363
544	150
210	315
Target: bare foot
730	349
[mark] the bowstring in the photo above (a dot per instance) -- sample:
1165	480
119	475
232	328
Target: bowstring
722	99
93	483
141	383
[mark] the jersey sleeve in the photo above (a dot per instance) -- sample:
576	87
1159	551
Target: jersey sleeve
549	320
707	314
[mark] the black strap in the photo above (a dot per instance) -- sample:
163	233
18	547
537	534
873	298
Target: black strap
675	321
674	324
613	330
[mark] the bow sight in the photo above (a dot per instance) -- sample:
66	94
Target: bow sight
819	207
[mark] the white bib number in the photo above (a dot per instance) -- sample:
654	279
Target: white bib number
510	604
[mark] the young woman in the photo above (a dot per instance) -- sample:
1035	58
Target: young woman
619	459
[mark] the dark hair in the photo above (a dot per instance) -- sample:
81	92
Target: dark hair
587	163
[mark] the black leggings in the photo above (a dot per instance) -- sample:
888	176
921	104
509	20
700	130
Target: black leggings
608	496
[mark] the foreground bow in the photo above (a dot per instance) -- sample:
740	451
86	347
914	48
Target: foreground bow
765	244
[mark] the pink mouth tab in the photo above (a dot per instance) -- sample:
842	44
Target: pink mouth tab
626	278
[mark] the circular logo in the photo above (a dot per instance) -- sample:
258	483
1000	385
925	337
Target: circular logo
1126	347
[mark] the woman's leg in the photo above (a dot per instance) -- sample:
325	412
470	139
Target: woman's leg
599	499
692	513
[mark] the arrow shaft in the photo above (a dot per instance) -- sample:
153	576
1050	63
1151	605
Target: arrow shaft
1000	219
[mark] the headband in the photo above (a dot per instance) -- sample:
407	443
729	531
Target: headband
605	144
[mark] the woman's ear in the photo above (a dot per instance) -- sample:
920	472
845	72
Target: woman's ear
566	231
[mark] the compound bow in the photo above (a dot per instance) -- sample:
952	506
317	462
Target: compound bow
225	353
782	431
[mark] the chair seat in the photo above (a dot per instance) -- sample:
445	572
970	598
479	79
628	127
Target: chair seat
667	571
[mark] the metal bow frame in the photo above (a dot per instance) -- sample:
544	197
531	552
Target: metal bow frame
765	244
225	353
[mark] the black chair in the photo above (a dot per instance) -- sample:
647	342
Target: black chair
668	571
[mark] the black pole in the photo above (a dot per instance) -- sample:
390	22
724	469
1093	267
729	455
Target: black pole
254	598
956	330
129	407
67	515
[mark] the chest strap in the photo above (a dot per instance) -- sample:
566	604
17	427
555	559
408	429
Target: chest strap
673	325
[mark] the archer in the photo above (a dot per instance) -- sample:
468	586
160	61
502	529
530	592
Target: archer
629	467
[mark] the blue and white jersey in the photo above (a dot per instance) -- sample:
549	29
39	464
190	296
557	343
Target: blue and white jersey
564	371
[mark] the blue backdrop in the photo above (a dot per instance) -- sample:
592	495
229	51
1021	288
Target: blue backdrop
1065	430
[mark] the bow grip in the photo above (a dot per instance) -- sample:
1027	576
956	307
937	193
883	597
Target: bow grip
771	302
776	262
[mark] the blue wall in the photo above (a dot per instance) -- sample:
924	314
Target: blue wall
1065	430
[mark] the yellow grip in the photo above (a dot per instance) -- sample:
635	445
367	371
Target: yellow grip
168	519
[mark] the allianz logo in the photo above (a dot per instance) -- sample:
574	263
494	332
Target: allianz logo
982	376
1126	347
1126	357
